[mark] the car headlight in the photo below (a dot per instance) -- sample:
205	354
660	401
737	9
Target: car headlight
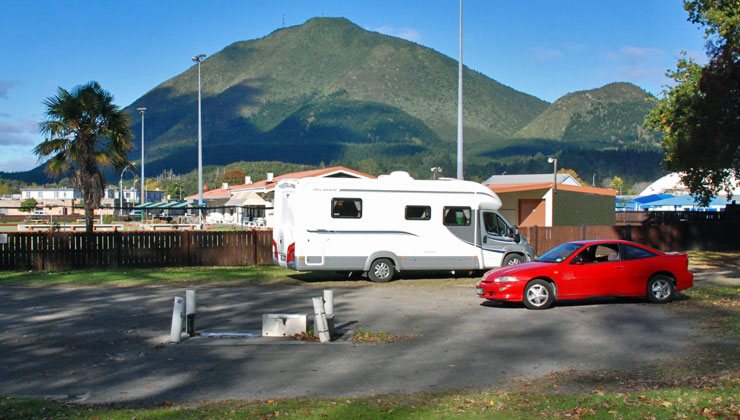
505	279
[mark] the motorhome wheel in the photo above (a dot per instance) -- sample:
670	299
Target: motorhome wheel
381	270
512	259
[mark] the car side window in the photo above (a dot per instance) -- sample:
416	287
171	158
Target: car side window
600	253
632	252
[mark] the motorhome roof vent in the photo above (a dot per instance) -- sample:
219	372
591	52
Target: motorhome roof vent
396	175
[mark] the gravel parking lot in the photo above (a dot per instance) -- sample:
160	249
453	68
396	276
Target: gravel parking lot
108	345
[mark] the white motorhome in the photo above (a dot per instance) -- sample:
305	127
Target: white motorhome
391	224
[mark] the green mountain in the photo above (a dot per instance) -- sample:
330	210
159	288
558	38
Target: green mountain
596	132
325	91
329	92
614	112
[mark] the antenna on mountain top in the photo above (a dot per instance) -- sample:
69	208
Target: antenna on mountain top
283	20
322	12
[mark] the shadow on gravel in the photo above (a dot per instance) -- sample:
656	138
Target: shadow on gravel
680	297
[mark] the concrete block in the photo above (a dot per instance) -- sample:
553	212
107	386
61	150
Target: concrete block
283	325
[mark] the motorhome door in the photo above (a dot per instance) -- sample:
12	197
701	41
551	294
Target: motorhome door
493	237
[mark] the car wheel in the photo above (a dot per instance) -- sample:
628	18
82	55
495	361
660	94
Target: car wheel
660	289
381	270
512	259
538	295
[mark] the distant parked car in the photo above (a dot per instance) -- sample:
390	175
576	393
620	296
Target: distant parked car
38	212
577	270
135	213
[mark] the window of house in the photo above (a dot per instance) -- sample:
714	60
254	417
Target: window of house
418	212
456	216
346	208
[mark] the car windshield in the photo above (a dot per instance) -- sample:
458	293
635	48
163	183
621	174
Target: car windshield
560	252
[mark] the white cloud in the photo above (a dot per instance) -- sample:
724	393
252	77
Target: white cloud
543	54
18	132
19	164
410	34
5	86
637	64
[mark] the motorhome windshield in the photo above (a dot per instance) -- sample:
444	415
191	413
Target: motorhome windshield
560	252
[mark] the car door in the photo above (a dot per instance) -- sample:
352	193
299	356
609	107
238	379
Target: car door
595	271
639	264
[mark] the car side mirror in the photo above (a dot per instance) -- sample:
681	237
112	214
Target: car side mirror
577	260
514	233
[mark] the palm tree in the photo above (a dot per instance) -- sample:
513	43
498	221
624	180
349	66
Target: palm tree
86	133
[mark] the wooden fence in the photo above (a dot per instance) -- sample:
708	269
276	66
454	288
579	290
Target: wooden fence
688	236
66	250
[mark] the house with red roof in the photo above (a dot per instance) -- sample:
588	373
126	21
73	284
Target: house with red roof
236	202
538	201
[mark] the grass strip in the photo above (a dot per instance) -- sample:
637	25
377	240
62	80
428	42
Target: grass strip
720	399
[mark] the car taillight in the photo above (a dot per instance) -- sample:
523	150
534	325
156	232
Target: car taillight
274	249
291	252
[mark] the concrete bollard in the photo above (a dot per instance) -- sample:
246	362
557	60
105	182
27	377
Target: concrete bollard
320	323
329	302
190	311
178	313
329	308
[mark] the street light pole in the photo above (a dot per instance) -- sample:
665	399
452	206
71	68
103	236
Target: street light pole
198	59
554	174
143	180
460	107
120	198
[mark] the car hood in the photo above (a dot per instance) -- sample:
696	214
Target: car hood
519	268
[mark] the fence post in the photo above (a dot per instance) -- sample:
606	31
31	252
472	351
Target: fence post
255	244
117	247
186	247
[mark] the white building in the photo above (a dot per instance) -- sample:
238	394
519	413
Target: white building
41	194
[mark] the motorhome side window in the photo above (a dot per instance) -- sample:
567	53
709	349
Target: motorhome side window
346	208
456	216
494	224
418	212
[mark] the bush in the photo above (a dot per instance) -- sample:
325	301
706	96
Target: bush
107	219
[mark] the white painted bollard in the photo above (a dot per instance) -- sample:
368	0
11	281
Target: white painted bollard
329	302
190	311
329	308
177	315
320	323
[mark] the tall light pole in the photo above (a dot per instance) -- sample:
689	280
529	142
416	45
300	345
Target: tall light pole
198	59
460	106
120	199
143	180
554	174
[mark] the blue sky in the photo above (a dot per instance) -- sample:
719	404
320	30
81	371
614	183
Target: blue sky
544	48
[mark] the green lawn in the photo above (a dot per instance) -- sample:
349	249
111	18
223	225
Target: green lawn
718	399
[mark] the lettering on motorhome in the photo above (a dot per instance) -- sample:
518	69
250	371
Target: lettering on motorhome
325	189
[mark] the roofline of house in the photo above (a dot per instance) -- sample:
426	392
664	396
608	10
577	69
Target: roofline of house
530	186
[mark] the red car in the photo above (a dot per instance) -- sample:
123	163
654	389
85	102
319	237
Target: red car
577	270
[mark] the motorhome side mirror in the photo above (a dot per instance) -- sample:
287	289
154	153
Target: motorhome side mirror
577	260
517	237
